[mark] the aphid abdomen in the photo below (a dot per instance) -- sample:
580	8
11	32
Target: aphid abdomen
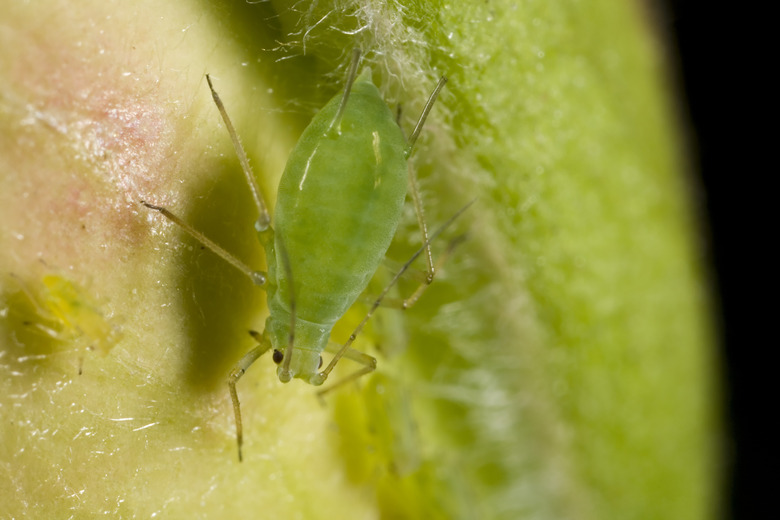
339	203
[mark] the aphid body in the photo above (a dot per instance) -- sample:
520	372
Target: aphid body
339	203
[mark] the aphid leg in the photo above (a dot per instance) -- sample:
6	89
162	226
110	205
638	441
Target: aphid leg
351	74
412	273
424	115
263	219
263	224
413	185
368	362
285	375
322	376
258	277
406	303
239	370
419	211
411	300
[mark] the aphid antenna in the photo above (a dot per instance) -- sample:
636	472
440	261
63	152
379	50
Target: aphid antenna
351	74
263	219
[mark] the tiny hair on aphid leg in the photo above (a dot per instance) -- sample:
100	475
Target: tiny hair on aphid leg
339	202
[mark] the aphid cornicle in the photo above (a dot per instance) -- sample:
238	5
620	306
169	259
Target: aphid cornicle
339	203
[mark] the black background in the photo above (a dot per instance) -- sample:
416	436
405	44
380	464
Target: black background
711	50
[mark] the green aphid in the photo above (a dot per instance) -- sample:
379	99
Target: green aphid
339	203
65	312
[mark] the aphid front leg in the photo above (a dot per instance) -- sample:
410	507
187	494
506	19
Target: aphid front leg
238	371
258	277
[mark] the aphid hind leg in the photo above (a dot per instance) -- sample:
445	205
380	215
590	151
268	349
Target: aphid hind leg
347	346
238	371
413	184
368	362
424	283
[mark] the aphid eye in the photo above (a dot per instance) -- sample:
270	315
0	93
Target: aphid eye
278	356
319	365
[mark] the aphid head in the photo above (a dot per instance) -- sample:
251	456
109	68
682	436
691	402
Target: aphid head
304	364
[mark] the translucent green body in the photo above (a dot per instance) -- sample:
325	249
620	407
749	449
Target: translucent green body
339	203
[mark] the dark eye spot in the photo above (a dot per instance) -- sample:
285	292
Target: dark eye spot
278	356
320	364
